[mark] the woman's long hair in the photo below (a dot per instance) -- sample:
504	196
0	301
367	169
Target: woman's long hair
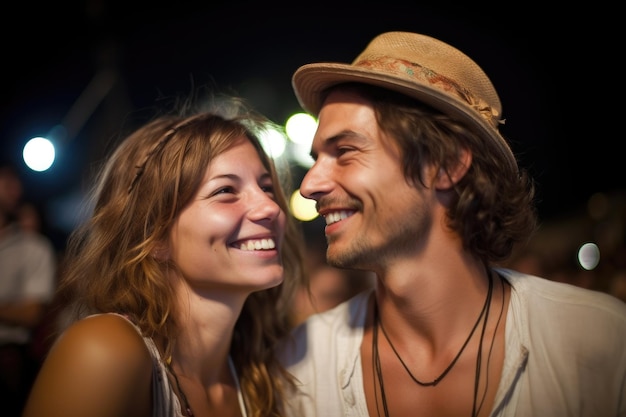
149	178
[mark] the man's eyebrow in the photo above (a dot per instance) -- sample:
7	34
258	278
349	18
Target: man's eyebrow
331	141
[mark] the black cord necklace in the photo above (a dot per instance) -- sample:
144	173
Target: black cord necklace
493	339
458	355
377	368
479	354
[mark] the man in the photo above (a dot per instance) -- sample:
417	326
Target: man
27	283
417	185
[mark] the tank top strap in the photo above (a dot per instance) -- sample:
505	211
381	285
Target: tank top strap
165	403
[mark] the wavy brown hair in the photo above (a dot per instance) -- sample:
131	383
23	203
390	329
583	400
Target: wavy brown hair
492	208
148	179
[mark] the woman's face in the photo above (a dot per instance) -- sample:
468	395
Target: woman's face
229	236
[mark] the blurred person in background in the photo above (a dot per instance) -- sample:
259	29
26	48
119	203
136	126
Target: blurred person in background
28	268
178	287
29	217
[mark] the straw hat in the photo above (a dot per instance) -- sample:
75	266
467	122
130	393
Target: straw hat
421	67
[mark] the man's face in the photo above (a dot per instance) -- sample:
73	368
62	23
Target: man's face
373	214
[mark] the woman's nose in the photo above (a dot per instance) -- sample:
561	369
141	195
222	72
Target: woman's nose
264	207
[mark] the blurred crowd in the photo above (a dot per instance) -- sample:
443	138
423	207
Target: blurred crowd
28	278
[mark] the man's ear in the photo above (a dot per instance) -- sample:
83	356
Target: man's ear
448	176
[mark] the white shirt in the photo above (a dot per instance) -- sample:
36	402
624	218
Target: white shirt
565	355
27	272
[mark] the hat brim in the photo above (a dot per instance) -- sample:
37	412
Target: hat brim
310	80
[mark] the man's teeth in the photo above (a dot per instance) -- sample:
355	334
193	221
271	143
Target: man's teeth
336	216
260	244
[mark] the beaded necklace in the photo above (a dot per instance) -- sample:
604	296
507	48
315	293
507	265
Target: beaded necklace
168	362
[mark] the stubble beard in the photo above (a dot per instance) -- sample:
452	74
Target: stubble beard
400	238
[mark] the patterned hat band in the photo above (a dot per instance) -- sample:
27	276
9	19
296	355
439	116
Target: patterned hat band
416	73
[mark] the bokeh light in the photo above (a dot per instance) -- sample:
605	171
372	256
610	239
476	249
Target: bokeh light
39	154
589	256
302	208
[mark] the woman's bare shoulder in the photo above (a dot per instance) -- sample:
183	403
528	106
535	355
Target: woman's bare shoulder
98	366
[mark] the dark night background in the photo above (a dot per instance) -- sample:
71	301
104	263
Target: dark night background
555	70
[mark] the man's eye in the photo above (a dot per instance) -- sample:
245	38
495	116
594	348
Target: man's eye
344	150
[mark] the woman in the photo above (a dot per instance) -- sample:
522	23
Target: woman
177	279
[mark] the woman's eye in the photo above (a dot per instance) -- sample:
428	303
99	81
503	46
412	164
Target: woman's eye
268	188
224	190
